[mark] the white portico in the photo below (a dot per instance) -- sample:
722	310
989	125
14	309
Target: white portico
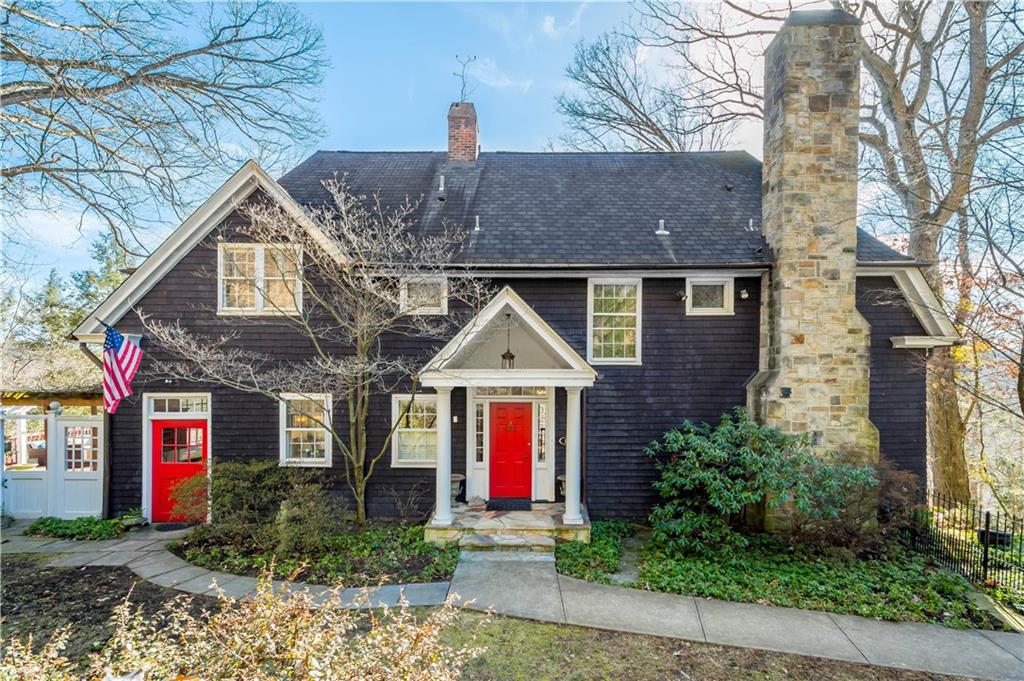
511	363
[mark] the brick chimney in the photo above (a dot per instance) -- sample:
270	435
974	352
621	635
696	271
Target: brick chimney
462	133
815	361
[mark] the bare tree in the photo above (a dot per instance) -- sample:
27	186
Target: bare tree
117	109
348	261
617	104
942	86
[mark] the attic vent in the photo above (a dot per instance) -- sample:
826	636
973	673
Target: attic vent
661	231
440	187
476	223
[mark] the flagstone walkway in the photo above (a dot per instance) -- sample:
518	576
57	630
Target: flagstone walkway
527	585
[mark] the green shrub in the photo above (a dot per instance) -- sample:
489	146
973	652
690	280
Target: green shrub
306	516
245	499
598	559
709	477
189	499
77	528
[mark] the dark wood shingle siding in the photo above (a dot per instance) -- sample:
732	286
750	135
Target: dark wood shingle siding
898	397
694	367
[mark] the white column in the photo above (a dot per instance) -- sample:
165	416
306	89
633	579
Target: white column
443	503
572	458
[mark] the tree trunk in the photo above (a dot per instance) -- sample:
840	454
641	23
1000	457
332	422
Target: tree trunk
946	429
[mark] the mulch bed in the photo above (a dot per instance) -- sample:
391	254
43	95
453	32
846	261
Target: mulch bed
38	599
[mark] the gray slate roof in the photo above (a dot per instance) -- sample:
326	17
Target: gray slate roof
572	208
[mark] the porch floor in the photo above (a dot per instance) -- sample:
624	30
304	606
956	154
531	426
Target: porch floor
544	519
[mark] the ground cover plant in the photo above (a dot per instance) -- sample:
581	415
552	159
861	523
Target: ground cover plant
598	559
839	552
899	586
77	528
268	518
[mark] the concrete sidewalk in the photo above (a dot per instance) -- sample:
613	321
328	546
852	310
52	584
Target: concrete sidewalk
533	589
526	585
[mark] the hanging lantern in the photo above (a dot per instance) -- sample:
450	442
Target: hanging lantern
508	359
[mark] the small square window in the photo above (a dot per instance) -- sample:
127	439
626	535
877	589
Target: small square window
424	297
709	296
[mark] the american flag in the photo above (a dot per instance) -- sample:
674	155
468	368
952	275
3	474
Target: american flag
121	360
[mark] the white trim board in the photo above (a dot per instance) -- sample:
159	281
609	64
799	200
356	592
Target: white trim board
187	236
437	372
923	303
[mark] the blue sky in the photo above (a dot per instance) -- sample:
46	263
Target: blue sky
391	80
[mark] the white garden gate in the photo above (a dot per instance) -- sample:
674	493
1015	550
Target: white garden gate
53	465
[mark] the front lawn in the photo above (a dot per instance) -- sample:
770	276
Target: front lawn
353	557
900	587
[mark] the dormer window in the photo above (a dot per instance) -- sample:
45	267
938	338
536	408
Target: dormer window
424	296
258	279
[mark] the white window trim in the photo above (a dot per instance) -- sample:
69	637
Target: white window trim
396	410
728	297
328	402
259	310
633	361
423	310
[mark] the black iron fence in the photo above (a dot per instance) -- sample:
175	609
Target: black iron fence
987	547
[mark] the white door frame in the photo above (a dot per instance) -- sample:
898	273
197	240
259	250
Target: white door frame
542	475
148	416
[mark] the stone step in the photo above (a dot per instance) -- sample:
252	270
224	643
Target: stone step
507	542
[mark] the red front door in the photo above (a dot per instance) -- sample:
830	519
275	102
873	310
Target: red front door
179	452
511	452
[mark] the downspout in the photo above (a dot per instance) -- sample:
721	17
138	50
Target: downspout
583	448
84	347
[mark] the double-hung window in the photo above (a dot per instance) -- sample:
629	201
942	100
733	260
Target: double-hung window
305	438
258	279
707	296
614	320
414	443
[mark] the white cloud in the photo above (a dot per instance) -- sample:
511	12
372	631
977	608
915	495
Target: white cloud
487	72
549	24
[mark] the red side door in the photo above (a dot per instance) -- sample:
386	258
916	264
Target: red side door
511	453
179	452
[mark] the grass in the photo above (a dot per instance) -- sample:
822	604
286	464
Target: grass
901	587
77	528
367	557
39	599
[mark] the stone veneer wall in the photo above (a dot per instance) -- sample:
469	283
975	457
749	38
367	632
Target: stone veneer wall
816	364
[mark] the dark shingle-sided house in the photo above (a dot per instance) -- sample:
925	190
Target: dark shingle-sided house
645	289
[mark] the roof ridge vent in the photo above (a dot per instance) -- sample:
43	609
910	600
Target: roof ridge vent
661	231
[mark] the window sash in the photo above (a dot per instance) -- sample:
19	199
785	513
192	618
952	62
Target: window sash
303	440
413	303
615	321
726	287
414	442
264	283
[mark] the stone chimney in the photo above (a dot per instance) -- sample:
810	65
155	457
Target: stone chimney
462	133
815	361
